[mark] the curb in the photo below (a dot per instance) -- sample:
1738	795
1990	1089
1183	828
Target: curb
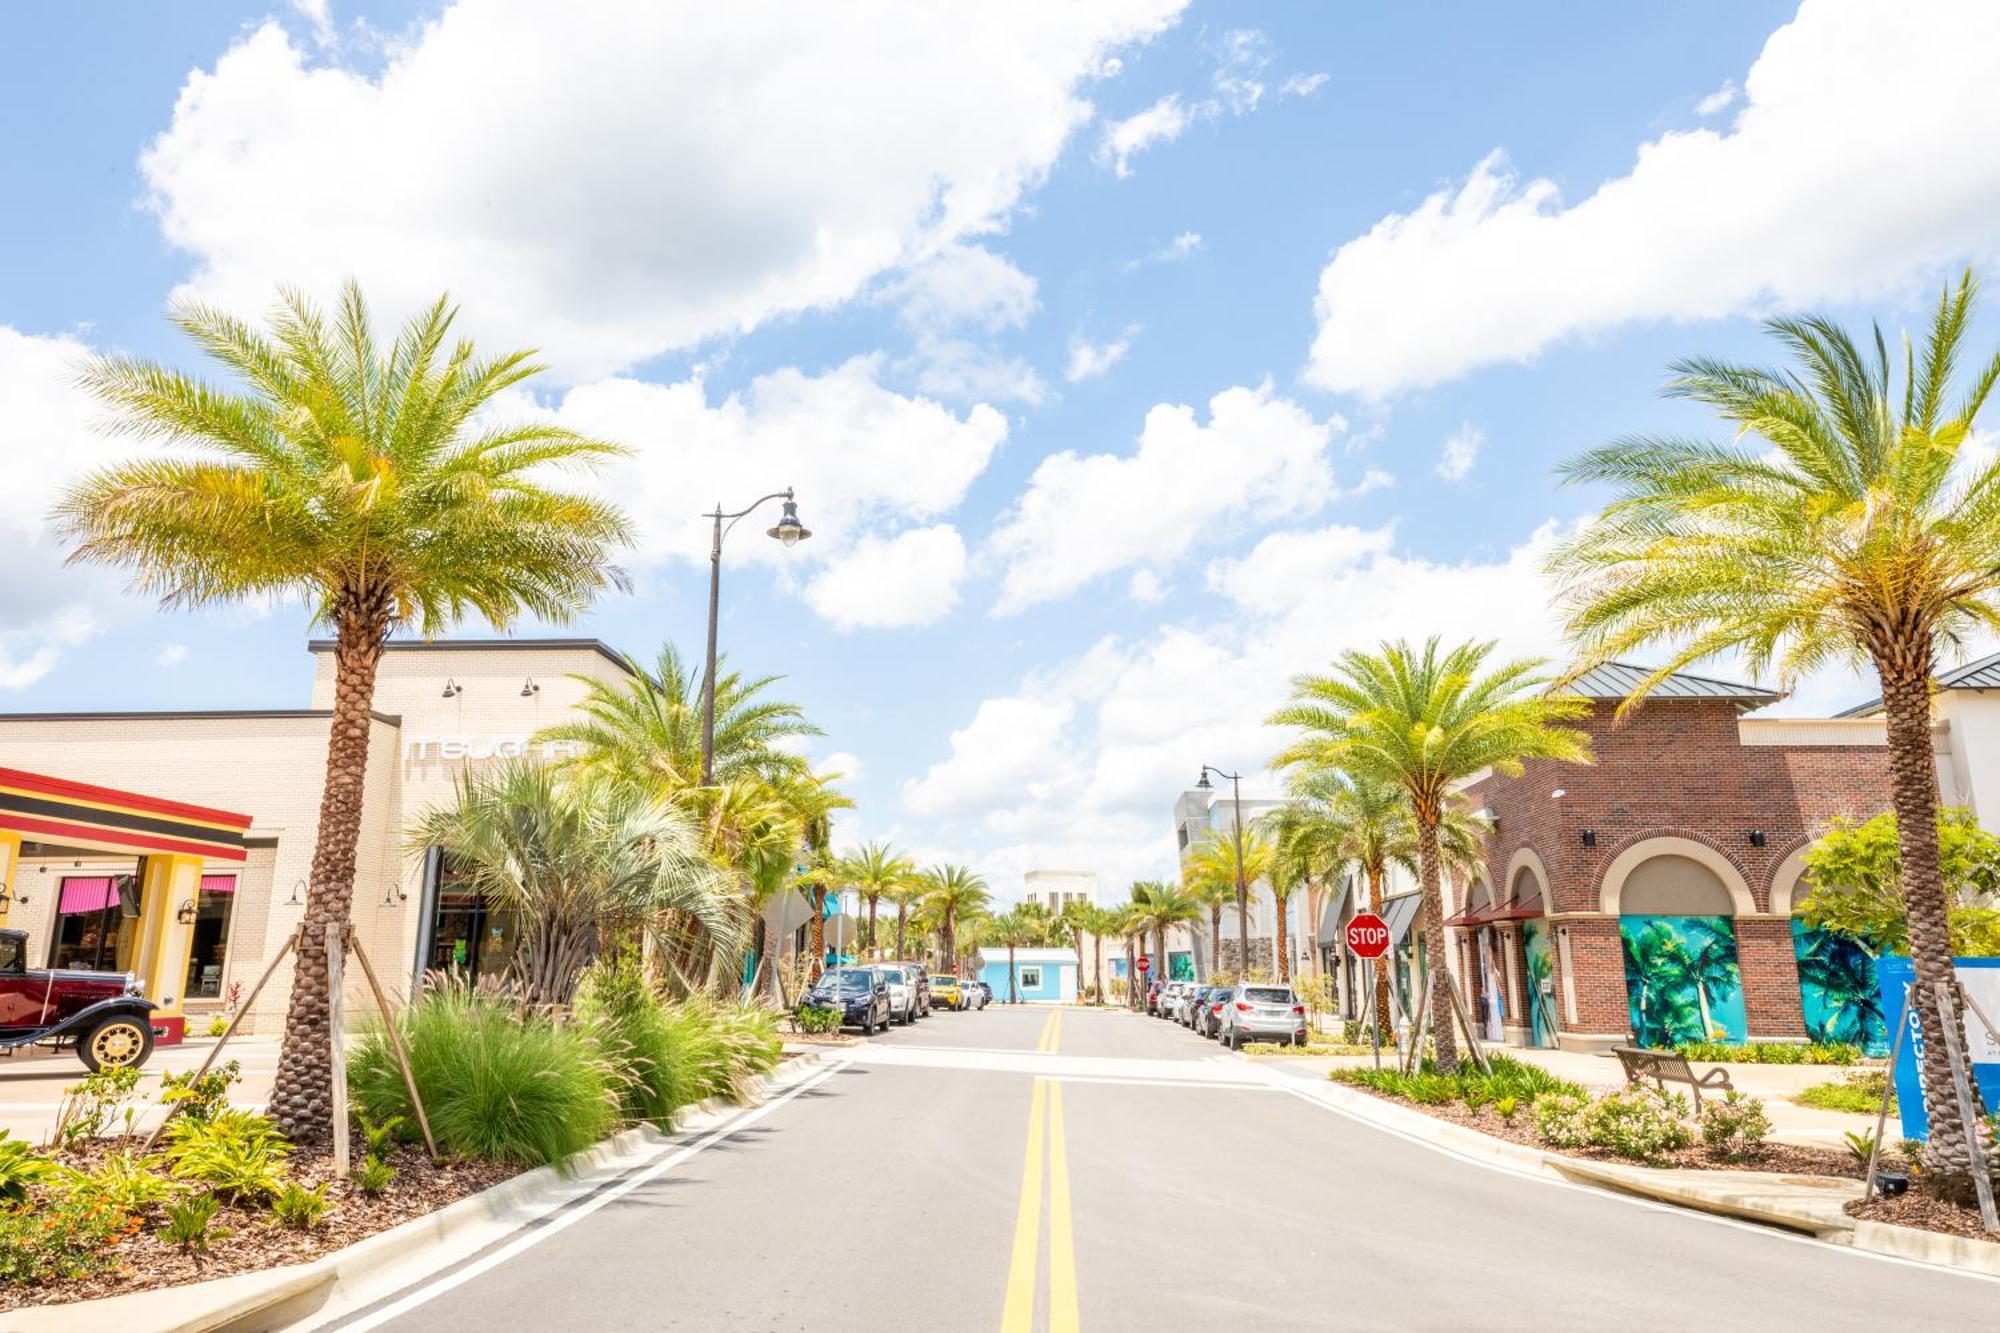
276	1298
1928	1247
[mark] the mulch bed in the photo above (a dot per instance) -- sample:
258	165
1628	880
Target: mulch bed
256	1240
819	1039
1777	1158
1922	1212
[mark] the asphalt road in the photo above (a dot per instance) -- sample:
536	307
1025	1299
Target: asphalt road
1021	1169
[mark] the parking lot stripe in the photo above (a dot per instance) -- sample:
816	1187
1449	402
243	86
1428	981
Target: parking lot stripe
1019	1314
1062	1238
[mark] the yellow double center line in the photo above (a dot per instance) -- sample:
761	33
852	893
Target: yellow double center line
1045	1118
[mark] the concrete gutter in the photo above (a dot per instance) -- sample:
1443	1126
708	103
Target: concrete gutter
1808	1204
347	1279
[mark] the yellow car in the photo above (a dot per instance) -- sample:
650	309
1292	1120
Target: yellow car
946	993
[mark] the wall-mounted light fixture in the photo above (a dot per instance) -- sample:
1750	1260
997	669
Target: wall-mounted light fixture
1756	837
1558	793
1590	837
529	689
298	894
394	896
185	913
452	689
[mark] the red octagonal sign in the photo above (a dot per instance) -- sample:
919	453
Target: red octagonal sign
1143	963
1368	936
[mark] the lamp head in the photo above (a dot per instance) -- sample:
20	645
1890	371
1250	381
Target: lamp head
788	530
1201	783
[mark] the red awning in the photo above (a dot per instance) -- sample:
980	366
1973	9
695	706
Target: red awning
218	883
85	893
1487	916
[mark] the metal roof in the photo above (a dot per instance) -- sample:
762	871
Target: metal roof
1617	680
598	646
1981	674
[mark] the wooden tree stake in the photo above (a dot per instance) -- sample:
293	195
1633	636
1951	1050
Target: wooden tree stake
335	1030
1888	1091
1982	1183
396	1045
291	943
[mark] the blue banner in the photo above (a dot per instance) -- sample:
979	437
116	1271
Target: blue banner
1981	978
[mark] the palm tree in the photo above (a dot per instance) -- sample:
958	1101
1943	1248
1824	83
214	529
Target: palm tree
1163	906
874	871
813	800
373	484
645	729
1364	822
1425	719
1847	528
1213	868
1294	866
1097	922
581	863
1017	928
954	891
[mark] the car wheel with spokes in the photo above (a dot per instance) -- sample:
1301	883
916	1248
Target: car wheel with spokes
116	1042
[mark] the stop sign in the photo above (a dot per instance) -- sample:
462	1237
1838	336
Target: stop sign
1144	964
1368	936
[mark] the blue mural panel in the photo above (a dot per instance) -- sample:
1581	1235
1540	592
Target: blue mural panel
1682	980
1839	990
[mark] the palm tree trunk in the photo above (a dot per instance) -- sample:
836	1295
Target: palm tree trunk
818	933
1097	969
1283	952
1131	976
302	1094
902	926
1428	863
1214	938
948	943
873	903
1382	963
1013	994
1160	951
1906	699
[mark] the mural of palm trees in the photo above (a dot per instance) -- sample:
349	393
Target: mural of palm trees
1837	976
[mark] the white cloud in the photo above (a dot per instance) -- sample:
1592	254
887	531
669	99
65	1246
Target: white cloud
1081	763
170	655
1707	223
1088	360
1146	586
883	583
1718	101
963	284
1258	456
843	762
970	372
1180	247
655	173
865	461
1302	85
1162	122
1240	62
1461	451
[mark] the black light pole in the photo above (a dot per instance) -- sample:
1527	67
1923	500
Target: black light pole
1242	889
789	531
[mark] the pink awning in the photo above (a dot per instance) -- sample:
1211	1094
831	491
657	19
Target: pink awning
86	893
218	883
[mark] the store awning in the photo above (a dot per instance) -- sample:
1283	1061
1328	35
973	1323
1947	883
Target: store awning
86	893
218	883
1400	914
1488	915
79	814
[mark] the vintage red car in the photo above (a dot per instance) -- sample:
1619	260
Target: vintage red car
103	1013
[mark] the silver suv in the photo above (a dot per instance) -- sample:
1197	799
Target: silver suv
1261	1011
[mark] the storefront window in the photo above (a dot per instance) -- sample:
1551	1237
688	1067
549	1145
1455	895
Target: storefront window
471	938
92	931
211	936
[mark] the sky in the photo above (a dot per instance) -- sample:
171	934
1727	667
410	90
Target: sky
1127	358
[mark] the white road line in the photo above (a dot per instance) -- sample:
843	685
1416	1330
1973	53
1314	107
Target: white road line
563	1220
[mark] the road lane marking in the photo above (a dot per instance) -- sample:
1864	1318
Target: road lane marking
1062	1237
574	1213
1019	1315
1055	1031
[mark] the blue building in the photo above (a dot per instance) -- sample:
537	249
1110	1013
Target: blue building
1041	976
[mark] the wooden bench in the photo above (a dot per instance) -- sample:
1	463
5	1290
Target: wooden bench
1665	1067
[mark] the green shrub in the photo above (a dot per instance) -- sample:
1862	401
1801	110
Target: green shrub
1506	1107
1858	1090
300	1208
188	1223
124	1183
1564	1121
374	1175
1519	1079
200	1098
381	1139
1860	1144
1734	1126
239	1155
717	1049
69	1236
1428	1089
497	1083
21	1166
1640	1123
218	1025
632	1030
1771	1052
89	1107
817	1018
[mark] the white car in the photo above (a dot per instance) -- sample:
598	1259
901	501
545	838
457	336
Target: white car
902	993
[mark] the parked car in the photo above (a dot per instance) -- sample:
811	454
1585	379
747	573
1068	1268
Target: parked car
1266	1012
947	992
921	978
902	992
1192	1006
102	1012
1209	1017
984	994
1153	991
860	993
1177	994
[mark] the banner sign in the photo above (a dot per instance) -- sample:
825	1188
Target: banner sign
1981	979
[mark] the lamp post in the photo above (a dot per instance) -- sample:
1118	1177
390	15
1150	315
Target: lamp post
789	532
1242	889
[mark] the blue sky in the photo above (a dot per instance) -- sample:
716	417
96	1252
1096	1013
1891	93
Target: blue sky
1128	358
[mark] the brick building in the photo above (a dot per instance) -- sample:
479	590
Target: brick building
1650	895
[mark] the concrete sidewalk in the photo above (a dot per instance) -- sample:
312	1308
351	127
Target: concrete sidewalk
31	1085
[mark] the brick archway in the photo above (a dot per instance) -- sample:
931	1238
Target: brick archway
1785	881
1612	887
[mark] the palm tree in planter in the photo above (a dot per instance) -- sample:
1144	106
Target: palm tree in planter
1017	928
954	891
1426	718
1163	906
1097	922
1850	525
1364	822
908	893
581	863
874	872
372	483
1213	867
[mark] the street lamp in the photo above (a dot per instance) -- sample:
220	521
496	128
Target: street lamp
789	532
1242	889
